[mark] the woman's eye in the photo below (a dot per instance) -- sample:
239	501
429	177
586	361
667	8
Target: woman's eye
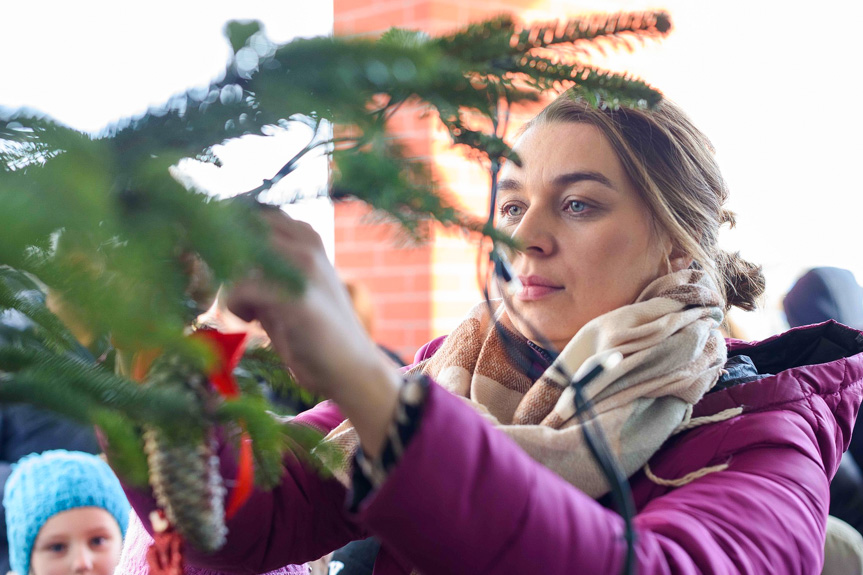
97	541
57	548
576	206
511	210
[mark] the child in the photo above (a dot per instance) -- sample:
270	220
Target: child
65	513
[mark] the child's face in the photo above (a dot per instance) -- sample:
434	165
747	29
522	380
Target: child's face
85	540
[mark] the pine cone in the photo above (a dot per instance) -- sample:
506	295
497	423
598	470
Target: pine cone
189	488
184	470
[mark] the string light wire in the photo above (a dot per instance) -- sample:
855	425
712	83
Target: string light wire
509	285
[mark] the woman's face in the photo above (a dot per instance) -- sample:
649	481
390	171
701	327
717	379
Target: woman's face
588	243
86	540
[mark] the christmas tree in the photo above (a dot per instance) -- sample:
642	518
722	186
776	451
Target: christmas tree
131	254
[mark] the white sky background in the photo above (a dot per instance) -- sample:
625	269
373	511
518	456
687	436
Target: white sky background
91	62
773	83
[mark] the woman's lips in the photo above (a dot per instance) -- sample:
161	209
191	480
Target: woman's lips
536	287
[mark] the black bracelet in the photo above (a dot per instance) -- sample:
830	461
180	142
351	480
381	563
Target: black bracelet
370	473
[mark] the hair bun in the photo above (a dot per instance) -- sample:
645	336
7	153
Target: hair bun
744	281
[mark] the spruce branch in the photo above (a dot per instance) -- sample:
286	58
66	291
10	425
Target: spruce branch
52	331
263	366
23	140
135	254
269	442
124	446
93	385
612	28
24	387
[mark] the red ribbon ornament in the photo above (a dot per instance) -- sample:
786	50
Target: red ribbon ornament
165	556
229	348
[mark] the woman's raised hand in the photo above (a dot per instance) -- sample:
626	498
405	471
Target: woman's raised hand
317	333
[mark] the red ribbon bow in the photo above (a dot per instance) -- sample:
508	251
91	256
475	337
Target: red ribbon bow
229	348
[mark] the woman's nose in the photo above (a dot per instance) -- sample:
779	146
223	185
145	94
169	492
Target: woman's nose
534	233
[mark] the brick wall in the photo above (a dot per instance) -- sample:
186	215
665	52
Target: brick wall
418	292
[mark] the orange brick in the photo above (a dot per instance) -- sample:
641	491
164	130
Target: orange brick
415	144
418	338
384	286
397	280
367	233
404	342
410	117
420	297
353	260
409	329
427	10
350	209
377	21
404	257
343	233
411	310
342	6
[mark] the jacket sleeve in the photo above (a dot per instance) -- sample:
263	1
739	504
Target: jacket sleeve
483	506
301	520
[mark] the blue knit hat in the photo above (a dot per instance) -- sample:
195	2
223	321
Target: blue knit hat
42	485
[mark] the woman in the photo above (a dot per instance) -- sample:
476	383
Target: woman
617	215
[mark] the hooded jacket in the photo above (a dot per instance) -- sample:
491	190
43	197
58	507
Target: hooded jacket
464	499
824	293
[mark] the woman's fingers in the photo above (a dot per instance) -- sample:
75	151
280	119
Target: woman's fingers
305	328
248	298
296	241
284	226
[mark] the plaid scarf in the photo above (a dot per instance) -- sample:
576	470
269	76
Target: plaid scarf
672	354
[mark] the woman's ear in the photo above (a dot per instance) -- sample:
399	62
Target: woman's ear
678	260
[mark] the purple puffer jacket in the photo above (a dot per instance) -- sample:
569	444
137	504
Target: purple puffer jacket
466	500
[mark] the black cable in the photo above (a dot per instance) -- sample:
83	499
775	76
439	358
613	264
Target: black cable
593	436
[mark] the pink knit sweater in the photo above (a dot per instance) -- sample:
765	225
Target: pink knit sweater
133	559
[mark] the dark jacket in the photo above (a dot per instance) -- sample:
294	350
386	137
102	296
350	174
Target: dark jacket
819	295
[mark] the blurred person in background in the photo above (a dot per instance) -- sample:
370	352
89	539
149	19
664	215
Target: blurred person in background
823	294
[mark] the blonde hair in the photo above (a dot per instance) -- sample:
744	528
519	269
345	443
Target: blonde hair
672	165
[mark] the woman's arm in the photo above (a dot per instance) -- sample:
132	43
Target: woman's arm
318	334
465	499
